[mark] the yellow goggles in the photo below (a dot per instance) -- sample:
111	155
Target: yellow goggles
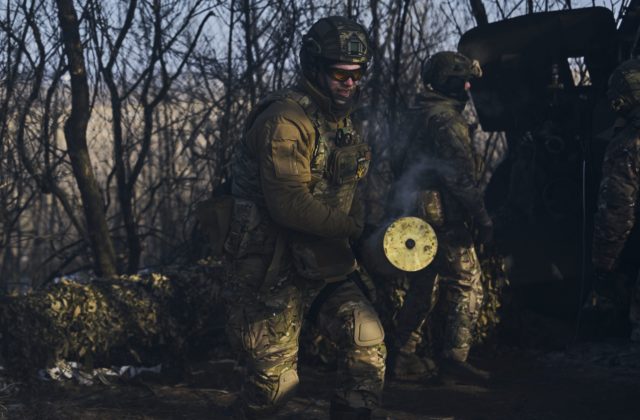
342	75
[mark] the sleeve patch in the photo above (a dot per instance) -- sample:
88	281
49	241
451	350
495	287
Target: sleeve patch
288	154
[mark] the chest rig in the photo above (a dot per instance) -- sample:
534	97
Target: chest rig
449	111
452	137
340	158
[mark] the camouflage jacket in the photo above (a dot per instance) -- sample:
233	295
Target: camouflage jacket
275	166
440	156
618	194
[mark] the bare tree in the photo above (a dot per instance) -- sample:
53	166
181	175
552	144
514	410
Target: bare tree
159	103
479	12
396	73
248	23
75	132
154	83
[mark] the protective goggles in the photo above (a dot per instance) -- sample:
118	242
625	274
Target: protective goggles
342	75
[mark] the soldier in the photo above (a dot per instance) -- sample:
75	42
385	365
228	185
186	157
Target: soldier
618	194
441	182
294	179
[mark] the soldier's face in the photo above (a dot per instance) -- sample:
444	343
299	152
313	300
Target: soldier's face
341	80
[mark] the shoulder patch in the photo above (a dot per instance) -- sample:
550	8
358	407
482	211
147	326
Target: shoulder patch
289	153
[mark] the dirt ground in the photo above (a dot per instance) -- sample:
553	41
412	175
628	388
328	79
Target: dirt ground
542	368
587	381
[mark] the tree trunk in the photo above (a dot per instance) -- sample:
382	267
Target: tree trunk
249	39
75	130
479	12
225	125
403	9
376	85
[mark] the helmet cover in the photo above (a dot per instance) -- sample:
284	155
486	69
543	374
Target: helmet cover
445	65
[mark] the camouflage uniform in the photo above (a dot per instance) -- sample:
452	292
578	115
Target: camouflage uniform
440	160
295	175
620	185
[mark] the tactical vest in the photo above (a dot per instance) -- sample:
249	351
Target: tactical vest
434	203
442	108
339	160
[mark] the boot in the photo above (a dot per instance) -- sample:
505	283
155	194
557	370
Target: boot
407	365
459	372
340	411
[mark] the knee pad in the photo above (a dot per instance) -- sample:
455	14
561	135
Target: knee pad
367	329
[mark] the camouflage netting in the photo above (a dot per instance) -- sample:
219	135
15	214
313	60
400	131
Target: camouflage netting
146	318
169	316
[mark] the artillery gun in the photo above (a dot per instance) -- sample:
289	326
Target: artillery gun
544	85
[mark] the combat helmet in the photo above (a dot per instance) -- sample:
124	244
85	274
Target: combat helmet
444	71
333	39
624	86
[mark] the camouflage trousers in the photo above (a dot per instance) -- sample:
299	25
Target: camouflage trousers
450	287
264	326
